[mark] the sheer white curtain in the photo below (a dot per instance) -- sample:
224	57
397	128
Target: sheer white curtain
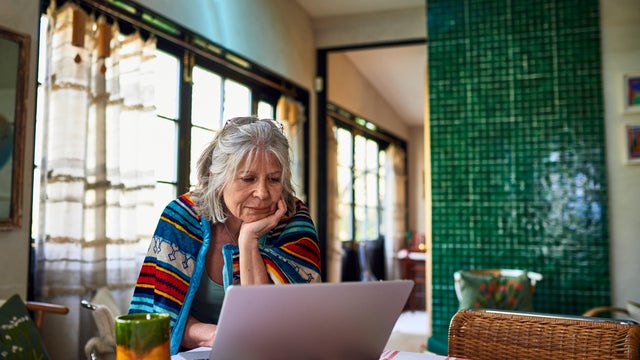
291	113
334	245
96	169
395	209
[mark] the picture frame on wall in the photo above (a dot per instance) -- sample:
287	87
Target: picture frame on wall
632	92
632	143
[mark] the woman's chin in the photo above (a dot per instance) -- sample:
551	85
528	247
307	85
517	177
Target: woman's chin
254	217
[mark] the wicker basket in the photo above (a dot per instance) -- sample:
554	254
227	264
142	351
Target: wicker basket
489	334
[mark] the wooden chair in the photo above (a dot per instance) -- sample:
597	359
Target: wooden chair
497	334
39	309
21	323
632	311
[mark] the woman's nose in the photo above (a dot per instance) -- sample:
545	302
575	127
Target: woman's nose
261	191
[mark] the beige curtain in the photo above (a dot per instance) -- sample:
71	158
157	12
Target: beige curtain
334	248
291	113
93	226
395	209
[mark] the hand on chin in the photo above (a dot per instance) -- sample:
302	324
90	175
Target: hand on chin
255	215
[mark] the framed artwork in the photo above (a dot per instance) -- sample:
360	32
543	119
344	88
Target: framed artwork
14	75
632	143
632	92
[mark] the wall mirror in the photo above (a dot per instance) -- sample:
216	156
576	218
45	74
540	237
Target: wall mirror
14	74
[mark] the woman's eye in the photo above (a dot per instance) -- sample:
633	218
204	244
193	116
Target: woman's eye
248	179
275	179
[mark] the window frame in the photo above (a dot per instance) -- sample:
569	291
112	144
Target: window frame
192	49
354	124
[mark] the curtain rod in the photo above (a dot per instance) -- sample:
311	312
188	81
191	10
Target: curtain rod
189	46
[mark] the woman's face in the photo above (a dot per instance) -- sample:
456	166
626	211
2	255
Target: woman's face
254	191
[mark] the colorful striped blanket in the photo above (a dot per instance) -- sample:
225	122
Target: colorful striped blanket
174	263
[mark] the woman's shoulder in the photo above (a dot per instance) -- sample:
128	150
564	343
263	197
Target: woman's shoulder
180	216
300	215
301	207
183	204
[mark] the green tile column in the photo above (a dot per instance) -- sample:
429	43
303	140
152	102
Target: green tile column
518	148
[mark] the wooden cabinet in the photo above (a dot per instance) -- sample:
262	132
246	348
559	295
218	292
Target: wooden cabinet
413	267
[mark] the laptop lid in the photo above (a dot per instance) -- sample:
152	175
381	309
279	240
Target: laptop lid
348	320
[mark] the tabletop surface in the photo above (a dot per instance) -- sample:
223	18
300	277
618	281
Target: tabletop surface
202	353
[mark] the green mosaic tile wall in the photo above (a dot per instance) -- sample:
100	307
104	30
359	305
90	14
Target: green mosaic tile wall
518	148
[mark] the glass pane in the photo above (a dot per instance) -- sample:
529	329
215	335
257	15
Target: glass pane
35	212
265	110
360	152
372	189
167	84
344	184
383	189
371	224
372	155
382	172
165	135
344	222
360	223
382	160
43	56
237	100
345	147
359	190
162	195
200	138
382	229
205	102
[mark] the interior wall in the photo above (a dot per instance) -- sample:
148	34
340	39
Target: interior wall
20	16
347	88
370	28
417	178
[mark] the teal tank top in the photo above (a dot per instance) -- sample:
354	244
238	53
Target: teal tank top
208	300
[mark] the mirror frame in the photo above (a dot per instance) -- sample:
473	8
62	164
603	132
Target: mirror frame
15	211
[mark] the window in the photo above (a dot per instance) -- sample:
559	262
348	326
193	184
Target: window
165	129
361	177
197	85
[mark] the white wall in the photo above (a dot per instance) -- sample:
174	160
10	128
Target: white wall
371	28
417	178
21	16
347	88
620	26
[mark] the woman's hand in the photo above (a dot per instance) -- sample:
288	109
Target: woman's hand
252	267
197	334
256	229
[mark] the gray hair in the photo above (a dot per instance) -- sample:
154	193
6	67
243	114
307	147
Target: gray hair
240	138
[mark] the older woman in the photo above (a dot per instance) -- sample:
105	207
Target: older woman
241	225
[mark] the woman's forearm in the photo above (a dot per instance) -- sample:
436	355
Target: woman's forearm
252	267
197	334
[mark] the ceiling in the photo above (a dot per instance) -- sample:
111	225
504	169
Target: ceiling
396	72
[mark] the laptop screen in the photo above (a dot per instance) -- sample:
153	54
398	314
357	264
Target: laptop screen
348	320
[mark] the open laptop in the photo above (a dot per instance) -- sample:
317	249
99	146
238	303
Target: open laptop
348	320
